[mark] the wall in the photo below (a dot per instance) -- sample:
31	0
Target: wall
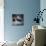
1	20
43	6
26	7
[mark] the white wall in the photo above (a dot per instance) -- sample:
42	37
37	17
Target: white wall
1	20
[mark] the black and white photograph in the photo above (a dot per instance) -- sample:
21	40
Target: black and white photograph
18	19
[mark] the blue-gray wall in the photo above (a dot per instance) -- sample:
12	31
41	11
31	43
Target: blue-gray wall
26	7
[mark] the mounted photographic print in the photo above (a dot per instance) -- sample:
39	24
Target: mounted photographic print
17	19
